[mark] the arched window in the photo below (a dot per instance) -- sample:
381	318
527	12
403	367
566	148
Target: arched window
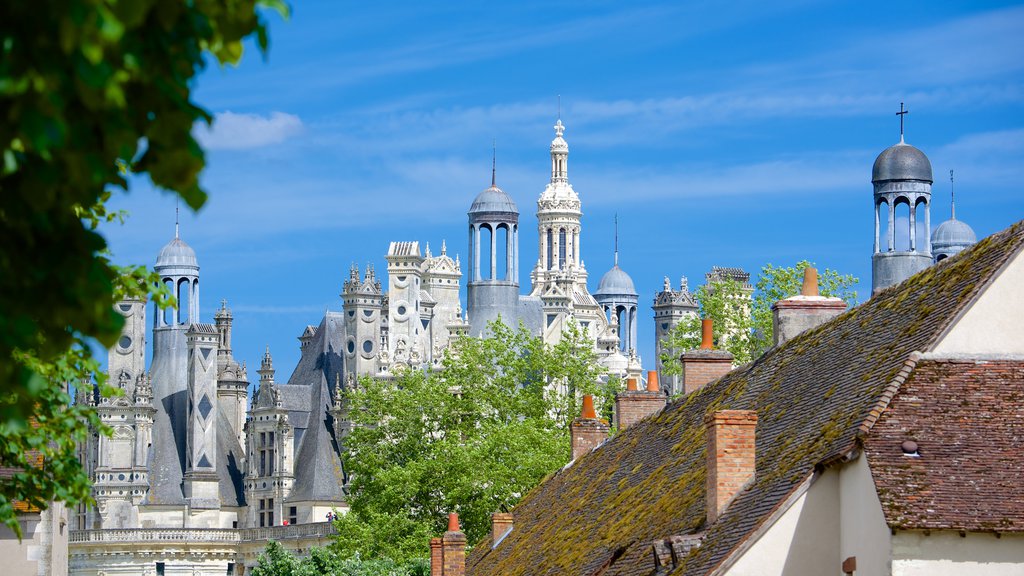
901	228
550	251
561	249
486	250
167	314
501	252
882	236
923	243
184	300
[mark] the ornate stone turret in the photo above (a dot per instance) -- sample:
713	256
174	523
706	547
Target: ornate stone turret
363	306
671	307
232	379
405	274
270	443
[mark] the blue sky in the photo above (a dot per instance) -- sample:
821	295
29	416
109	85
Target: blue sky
730	135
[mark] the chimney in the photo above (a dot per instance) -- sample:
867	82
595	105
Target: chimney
796	314
633	405
501	524
730	457
448	553
704	364
587	431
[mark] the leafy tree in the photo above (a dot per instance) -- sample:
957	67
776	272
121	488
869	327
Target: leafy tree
89	91
471	438
322	561
743	322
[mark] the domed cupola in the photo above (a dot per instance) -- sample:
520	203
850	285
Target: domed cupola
178	268
902	162
177	254
902	181
952	236
616	282
619	299
492	290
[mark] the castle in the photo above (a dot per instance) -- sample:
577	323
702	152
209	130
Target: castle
196	478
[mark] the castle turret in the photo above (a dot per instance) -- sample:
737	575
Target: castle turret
671	307
493	290
902	177
363	305
232	378
405	275
618	298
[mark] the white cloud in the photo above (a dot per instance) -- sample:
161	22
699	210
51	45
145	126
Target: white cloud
231	131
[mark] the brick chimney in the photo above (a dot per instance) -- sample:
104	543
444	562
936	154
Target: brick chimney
730	457
587	431
633	405
704	364
448	553
798	313
501	524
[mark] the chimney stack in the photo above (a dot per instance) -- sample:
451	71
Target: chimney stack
587	432
731	457
796	314
501	524
704	364
633	405
448	553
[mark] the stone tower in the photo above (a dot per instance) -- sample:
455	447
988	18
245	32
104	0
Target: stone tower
405	271
179	271
493	291
902	177
363	305
232	378
120	477
441	279
671	307
560	277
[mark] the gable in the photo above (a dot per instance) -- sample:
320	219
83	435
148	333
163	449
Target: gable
993	325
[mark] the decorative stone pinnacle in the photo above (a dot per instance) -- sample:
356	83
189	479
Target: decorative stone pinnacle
559	128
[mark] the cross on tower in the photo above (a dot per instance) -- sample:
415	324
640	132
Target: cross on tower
901	114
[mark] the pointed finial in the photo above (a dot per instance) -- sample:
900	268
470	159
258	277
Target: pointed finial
177	202
494	157
559	128
444	247
952	196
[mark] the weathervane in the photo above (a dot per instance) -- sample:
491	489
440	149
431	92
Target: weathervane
901	114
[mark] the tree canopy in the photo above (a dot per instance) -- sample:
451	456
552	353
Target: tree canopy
743	320
471	438
90	90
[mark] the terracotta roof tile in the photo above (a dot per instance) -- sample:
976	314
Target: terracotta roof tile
967	419
812	396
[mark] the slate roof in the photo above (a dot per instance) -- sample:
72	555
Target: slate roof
967	418
308	396
815	397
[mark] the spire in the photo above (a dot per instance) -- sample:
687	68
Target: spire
444	248
494	157
266	370
176	205
952	196
616	238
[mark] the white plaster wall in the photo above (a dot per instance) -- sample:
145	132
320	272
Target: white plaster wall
994	323
947	553
803	541
20	558
863	531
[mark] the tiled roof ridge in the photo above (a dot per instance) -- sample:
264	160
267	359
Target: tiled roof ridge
887	395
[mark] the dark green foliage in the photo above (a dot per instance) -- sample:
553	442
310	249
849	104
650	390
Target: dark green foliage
472	438
276	561
89	90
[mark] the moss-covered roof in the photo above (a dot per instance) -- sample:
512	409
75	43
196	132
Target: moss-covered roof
814	397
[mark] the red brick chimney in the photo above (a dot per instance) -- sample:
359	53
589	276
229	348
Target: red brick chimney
501	524
730	457
796	314
633	405
587	432
704	364
448	553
